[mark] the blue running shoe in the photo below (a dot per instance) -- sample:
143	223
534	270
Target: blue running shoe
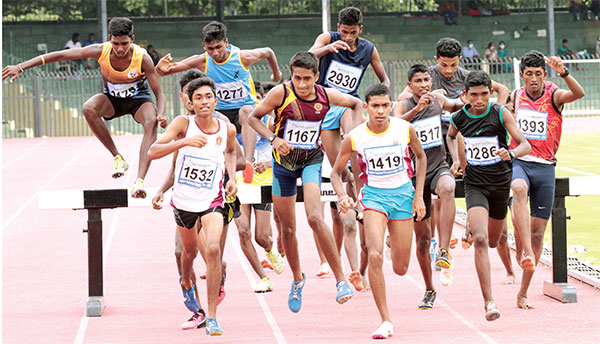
212	327
189	298
345	293
295	298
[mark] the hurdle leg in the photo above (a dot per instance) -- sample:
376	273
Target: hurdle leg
95	303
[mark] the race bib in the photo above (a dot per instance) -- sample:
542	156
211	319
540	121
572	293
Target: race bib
533	124
446	116
343	77
122	90
481	150
302	134
197	172
429	131
384	161
231	92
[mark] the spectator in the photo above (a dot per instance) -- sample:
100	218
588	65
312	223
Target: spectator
595	9
471	56
73	42
579	9
503	57
91	40
449	13
153	54
492	56
565	52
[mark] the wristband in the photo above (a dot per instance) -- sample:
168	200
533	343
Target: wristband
43	60
565	74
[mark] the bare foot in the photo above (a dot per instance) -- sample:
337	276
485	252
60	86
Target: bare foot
510	279
366	285
527	264
523	302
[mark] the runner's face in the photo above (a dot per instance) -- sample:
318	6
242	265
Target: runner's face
217	50
533	77
420	84
478	97
186	99
304	81
121	44
349	33
448	65
204	101
378	108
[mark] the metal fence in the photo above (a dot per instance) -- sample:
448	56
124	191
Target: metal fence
49	103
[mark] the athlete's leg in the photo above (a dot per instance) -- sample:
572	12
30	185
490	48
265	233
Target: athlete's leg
504	253
375	224
349	226
520	215
146	115
245	234
213	227
94	109
478	224
538	228
248	134
285	208
263	231
401	241
280	247
190	251
337	227
178	251
423	232
445	190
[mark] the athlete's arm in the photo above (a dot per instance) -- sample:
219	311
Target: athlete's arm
575	90
502	92
511	126
344	100
378	68
166	65
167	184
271	102
165	144
91	51
161	101
448	104
424	102
338	168
230	161
250	57
323	45
421	168
240	162
458	162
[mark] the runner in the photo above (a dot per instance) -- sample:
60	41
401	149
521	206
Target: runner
424	111
300	107
126	72
229	67
487	171
538	106
207	147
382	145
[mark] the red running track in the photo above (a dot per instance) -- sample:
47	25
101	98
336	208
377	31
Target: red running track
45	275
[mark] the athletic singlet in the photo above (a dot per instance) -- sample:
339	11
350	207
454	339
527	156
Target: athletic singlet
453	87
541	123
233	81
484	135
199	172
298	121
344	70
384	158
130	83
428	126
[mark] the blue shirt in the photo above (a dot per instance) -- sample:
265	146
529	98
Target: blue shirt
469	53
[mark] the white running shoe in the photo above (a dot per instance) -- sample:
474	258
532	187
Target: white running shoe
264	286
323	270
138	190
446	276
385	331
198	320
276	259
120	166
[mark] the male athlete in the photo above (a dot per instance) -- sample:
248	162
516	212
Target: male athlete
126	72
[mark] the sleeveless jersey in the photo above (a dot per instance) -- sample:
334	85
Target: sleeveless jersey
384	159
233	81
298	121
541	123
199	172
344	70
453	87
130	83
428	126
484	135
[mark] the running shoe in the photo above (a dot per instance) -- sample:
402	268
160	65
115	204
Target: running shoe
276	259
443	261
295	297
189	298
344	292
264	286
433	249
212	327
120	166
198	320
428	300
491	312
138	190
385	331
356	280
323	270
248	173
446	276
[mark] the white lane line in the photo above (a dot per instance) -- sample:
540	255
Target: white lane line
83	324
35	195
260	297
22	156
447	307
576	171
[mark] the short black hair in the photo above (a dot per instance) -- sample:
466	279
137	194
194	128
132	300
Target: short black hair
377	90
350	16
214	31
478	78
267	86
189	76
259	88
448	47
197	83
565	40
75	35
533	58
414	69
120	26
305	59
